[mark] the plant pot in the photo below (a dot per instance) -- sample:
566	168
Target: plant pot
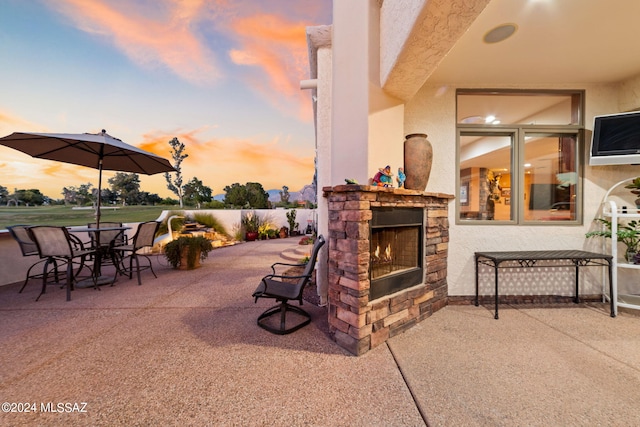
418	157
184	260
251	236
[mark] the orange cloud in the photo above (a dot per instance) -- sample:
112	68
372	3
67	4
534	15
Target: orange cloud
147	38
219	162
165	33
278	49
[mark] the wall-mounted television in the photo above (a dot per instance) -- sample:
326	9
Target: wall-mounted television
616	139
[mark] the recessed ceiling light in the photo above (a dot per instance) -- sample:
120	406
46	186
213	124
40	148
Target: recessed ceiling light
472	120
500	33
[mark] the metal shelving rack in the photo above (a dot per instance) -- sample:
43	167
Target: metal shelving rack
615	213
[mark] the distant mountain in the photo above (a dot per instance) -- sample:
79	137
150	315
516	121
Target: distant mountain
306	193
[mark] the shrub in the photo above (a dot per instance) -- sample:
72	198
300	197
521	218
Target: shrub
211	222
173	250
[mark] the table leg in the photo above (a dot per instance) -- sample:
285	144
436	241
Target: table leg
577	297
496	280
613	310
477	288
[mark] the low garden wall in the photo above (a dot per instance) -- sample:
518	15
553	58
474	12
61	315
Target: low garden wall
14	266
230	218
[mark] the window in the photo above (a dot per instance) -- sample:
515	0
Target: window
519	157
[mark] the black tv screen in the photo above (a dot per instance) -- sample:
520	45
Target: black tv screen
616	139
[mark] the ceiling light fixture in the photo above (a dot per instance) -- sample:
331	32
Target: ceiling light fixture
500	33
472	120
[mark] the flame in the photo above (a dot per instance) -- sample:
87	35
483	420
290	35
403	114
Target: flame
377	252
387	252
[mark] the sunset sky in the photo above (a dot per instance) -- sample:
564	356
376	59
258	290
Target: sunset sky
220	75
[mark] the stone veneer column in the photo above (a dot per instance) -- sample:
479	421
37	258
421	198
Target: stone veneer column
357	323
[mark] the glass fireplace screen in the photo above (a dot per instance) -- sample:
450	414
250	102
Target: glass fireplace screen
393	250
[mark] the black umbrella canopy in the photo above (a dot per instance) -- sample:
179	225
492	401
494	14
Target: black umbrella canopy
87	149
99	151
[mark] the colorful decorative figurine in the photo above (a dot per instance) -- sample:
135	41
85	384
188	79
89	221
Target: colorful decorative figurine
383	178
401	177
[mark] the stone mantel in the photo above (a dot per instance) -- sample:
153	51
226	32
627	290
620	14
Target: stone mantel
349	188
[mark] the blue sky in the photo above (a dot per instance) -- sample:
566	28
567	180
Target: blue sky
220	75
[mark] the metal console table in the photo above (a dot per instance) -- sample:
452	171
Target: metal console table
529	259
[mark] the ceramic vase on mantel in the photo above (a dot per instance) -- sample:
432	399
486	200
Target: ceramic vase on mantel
418	156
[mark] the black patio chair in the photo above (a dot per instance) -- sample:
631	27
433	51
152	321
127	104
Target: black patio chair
143	238
28	248
57	244
283	288
108	240
106	237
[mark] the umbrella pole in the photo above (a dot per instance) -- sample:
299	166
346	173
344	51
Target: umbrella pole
98	213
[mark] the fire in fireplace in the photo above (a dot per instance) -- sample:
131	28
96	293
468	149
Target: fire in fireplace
396	260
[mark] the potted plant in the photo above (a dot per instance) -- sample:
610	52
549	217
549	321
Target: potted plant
291	219
634	186
629	234
186	252
284	232
251	225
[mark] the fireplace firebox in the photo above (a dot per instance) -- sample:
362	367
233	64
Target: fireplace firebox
396	250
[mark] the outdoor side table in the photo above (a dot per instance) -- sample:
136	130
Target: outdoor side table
529	259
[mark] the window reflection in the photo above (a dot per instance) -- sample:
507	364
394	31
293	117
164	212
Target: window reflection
485	177
550	180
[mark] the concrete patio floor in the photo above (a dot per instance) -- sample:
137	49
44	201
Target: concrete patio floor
184	349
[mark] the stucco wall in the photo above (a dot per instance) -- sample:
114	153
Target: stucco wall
432	111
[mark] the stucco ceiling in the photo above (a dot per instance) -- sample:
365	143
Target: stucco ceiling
557	41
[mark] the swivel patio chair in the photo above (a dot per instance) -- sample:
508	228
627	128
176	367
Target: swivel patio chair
143	238
57	244
28	248
283	288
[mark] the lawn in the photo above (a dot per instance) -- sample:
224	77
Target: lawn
64	215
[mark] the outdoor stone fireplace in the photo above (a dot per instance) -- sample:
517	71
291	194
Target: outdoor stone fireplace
387	261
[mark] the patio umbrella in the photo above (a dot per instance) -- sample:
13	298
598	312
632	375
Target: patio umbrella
99	151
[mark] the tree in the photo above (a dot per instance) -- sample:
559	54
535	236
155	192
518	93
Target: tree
251	195
79	195
146	198
4	194
178	155
109	197
31	197
284	195
235	195
258	198
196	192
69	195
126	186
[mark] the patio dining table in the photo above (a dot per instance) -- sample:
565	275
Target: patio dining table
101	248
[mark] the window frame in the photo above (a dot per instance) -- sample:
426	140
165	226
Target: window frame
518	133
